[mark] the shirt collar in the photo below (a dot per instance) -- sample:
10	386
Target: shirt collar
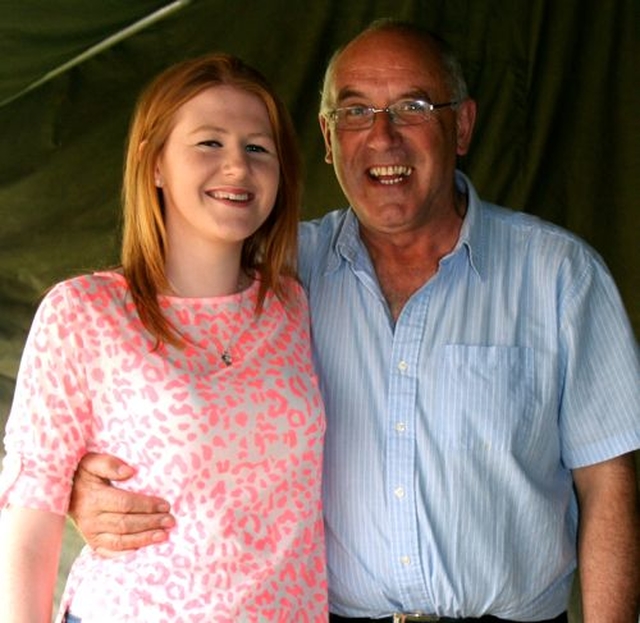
348	245
471	233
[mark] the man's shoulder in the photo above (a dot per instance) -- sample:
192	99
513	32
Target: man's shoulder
532	231
496	229
323	226
319	234
317	239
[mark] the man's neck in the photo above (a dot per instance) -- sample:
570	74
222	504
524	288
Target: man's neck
405	262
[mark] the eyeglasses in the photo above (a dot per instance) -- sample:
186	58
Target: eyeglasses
404	112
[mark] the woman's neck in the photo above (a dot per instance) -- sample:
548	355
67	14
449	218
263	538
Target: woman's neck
200	277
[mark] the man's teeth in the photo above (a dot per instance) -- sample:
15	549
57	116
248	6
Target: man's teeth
390	174
231	196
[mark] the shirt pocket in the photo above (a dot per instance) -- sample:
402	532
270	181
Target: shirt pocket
484	396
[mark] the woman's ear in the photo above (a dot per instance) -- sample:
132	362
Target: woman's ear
157	175
157	178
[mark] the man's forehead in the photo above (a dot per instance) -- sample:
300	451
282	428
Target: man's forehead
386	53
355	73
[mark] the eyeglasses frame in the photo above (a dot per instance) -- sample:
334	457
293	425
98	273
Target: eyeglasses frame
430	107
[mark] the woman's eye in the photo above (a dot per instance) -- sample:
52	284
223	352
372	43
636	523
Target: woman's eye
210	143
257	149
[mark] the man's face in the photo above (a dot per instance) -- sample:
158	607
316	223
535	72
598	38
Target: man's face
397	177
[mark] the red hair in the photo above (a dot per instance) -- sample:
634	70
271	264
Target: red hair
270	252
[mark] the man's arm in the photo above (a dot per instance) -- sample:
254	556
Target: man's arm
609	541
110	519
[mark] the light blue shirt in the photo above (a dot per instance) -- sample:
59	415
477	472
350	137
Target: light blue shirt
451	435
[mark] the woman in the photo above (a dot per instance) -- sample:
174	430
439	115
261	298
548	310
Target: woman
191	361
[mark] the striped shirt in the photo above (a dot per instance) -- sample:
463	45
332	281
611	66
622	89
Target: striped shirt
451	434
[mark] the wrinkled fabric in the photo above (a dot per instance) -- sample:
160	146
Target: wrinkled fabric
451	433
237	450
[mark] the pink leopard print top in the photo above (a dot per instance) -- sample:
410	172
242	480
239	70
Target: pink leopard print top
237	450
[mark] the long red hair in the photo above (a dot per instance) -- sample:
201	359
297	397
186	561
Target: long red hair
270	252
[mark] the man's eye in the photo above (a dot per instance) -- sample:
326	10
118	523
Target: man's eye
411	106
356	111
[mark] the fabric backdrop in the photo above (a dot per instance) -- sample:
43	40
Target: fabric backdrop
558	132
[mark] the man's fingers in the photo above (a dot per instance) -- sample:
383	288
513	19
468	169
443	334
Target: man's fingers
90	499
112	519
117	526
95	466
118	501
110	545
94	494
118	532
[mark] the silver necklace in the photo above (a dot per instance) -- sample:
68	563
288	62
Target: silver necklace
225	354
226	357
225	351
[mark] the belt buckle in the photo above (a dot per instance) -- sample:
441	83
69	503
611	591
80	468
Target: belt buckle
415	617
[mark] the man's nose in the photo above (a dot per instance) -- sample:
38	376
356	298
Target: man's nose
383	128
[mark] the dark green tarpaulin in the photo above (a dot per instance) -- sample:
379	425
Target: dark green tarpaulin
558	131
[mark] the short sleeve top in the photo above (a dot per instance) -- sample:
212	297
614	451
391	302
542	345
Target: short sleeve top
236	449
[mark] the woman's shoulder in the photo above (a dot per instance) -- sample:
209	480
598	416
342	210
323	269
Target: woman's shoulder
293	299
294	291
84	288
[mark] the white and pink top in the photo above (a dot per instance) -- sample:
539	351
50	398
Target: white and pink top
236	449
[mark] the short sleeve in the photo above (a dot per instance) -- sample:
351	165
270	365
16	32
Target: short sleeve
600	405
46	430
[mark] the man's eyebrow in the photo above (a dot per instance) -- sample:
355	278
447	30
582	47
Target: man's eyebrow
347	92
412	93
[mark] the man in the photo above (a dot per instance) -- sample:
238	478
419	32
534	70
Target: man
477	368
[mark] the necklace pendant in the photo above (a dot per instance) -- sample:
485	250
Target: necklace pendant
226	358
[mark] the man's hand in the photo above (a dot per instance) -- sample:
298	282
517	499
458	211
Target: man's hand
112	520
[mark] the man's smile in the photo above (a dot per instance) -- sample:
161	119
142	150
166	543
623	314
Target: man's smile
390	174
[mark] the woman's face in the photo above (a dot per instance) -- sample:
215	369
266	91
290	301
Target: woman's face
219	170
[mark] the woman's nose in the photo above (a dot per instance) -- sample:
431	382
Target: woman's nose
235	161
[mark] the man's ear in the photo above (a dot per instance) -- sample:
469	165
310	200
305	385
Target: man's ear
325	128
465	122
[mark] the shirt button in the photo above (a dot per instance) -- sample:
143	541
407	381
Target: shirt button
401	427
405	560
399	492
403	366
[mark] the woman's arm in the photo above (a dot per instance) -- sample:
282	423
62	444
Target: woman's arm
30	543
